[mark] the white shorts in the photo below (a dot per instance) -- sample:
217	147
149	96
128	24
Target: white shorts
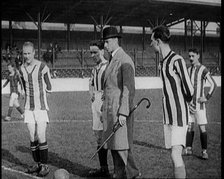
174	135
199	117
14	100
96	111
36	116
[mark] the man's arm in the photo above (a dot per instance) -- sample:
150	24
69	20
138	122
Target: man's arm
128	79
181	68
91	86
213	86
4	85
47	79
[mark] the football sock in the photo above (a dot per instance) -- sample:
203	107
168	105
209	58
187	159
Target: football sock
102	154
10	111
180	172
203	138
189	138
20	110
34	146
43	148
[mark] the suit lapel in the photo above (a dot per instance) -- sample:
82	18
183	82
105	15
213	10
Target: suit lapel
110	66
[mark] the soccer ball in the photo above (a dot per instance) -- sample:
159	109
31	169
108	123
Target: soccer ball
61	174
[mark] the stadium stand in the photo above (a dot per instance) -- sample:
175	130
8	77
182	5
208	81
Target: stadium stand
76	62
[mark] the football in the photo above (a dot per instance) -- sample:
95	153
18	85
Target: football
61	174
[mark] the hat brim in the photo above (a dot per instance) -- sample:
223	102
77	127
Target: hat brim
111	36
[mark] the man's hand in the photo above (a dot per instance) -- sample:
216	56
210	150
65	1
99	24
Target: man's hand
122	120
202	100
103	97
93	98
22	92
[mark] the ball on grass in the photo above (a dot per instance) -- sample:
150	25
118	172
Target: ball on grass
61	174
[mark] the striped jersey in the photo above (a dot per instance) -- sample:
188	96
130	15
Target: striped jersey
13	80
97	76
198	75
37	83
177	89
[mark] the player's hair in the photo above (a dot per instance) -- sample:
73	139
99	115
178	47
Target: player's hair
28	44
161	32
11	64
194	50
98	43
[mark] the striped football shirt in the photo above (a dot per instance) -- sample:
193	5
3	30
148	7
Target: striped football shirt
177	89
198	75
97	77
13	80
37	83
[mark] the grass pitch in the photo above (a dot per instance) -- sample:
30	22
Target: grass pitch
71	141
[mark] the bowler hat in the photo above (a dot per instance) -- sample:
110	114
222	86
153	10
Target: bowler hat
110	32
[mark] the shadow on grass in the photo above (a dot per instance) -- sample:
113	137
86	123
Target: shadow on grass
57	161
12	119
145	144
6	155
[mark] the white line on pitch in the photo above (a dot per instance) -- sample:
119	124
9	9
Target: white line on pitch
17	171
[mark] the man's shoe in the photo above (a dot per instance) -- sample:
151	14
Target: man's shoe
34	169
44	170
99	173
7	118
22	116
138	176
204	155
188	151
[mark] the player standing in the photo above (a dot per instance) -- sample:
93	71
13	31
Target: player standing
198	74
177	91
14	79
96	93
37	83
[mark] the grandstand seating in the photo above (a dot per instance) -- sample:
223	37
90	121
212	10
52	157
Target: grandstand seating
78	63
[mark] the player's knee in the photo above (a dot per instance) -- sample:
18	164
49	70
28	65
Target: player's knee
190	127
202	128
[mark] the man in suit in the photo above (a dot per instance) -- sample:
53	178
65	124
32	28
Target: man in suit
119	91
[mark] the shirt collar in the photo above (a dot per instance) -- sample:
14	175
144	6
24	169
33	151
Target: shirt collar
115	51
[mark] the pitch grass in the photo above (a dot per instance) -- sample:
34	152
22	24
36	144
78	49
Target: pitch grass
71	141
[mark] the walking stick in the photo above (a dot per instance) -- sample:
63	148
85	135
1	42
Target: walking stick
117	125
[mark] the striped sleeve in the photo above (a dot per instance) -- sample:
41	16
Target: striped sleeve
188	88
212	83
91	83
47	78
6	82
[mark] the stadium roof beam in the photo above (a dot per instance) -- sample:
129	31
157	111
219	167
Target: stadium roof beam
139	11
175	22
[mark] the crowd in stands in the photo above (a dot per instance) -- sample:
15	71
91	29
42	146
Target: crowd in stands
12	54
51	54
78	63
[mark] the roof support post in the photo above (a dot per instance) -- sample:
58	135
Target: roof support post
10	33
121	33
95	32
192	39
202	38
143	38
68	36
185	34
101	26
39	35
